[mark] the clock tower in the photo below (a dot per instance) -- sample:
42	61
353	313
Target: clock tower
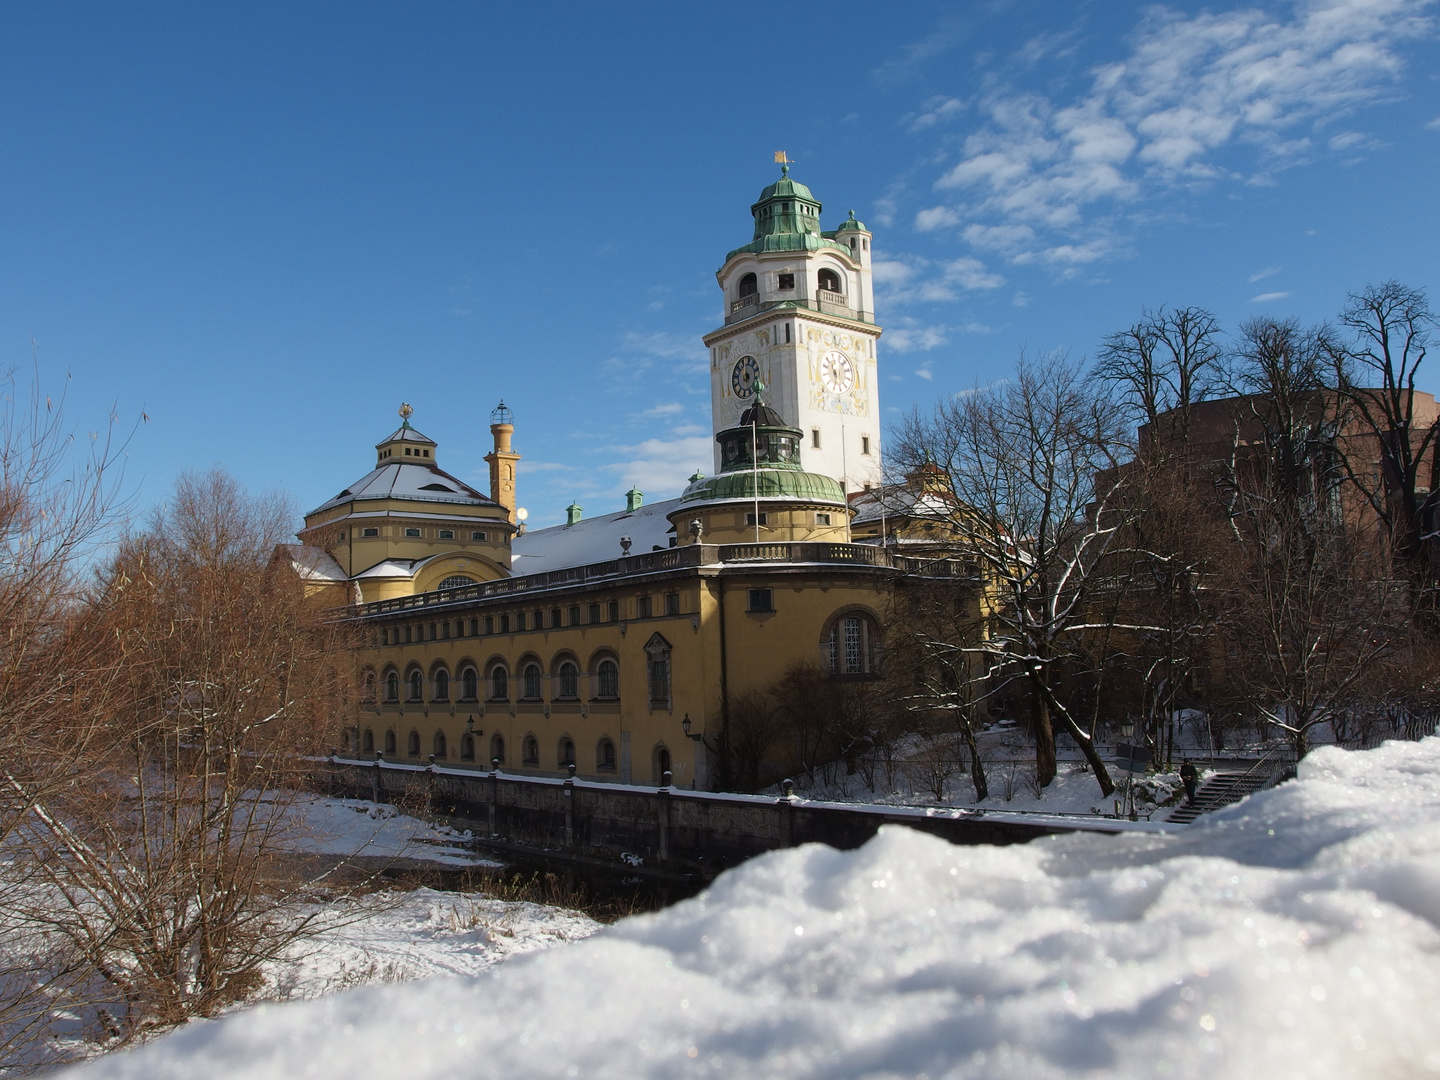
800	317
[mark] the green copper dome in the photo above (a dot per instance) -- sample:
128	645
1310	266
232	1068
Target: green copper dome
766	483
850	223
787	218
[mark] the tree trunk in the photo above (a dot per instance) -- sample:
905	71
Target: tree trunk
977	767
1043	731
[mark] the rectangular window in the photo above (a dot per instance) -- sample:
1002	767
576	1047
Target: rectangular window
815	438
489	625
574	614
555	618
370	532
445	630
504	624
672	603
519	621
614	610
786	281
660	681
412	532
432	631
594	613
477	536
408	632
764	518
539	622
865	445
447	534
642	607
474	627
762	600
822	519
787	333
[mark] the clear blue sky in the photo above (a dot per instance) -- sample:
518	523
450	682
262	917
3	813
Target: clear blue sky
266	225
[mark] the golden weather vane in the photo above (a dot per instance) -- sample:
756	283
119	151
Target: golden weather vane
406	411
783	161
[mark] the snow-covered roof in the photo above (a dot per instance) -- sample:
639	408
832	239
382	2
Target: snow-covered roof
396	480
313	563
592	540
900	500
392	568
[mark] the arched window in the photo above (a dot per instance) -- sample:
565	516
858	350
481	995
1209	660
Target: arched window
439	745
467	747
607	681
605	756
469	685
569	682
530	683
532	751
851	646
657	658
567	752
367	687
367	741
499	683
392	686
417	685
413	744
749	286
497	748
660	761
442	685
828	280
456	581
389	742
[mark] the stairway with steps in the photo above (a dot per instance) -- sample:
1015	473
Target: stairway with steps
1220	789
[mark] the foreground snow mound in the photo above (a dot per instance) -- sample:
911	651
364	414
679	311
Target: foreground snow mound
1294	935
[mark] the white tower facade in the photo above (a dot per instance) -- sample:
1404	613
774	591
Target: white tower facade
799	312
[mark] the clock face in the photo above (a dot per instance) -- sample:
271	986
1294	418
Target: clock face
744	376
837	374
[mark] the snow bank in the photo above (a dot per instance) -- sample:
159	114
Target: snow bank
395	937
356	827
1295	934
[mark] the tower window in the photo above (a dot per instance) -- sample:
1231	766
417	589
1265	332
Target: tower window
828	280
370	532
749	286
764	518
412	532
786	281
815	438
762	600
447	534
865	445
477	536
822	519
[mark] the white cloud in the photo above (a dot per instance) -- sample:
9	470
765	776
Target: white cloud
936	111
1267	297
1433	125
916	339
661	466
1261	275
669	408
890	272
1021	299
970	273
664	343
937	217
1041	180
924	373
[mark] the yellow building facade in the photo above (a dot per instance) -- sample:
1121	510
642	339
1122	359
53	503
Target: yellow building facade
615	645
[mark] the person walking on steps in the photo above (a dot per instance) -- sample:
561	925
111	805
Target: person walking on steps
1189	777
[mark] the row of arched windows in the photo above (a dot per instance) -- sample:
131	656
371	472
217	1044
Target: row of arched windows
530	683
606	758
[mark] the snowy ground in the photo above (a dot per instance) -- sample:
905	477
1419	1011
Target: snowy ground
327	826
393	937
1296	934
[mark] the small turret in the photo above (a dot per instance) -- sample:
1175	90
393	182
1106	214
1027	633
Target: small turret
634	499
406	444
502	459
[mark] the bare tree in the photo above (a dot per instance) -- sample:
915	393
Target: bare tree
1312	613
163	869
60	501
1033	470
1391	326
754	732
1161	367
